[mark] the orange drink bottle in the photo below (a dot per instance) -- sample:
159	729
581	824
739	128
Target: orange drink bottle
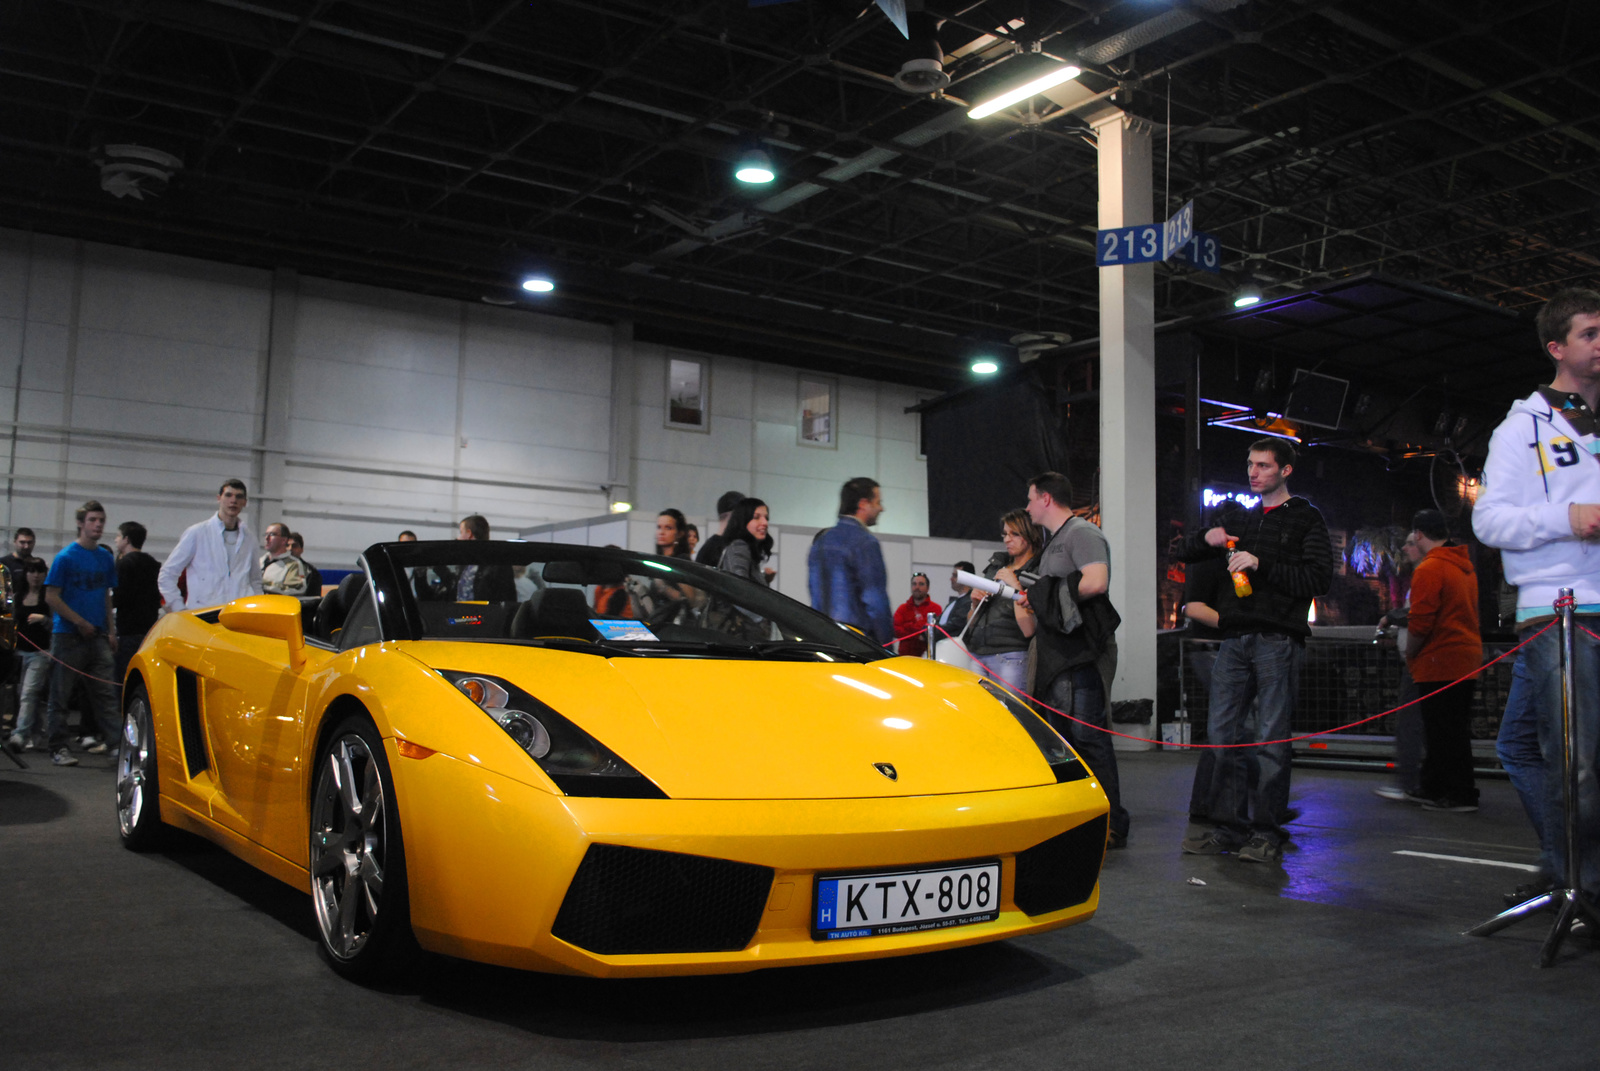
1241	582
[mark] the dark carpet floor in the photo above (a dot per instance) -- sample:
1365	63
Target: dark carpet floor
1348	956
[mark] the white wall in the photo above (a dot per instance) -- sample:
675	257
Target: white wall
751	444
354	412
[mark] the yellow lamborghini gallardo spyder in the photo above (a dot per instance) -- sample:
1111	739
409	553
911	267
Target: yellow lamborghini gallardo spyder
589	761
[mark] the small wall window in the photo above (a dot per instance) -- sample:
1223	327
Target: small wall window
688	393
819	407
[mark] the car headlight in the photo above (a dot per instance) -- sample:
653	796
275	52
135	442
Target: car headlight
579	764
1064	762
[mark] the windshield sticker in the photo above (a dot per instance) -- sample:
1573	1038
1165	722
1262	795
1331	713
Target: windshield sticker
621	630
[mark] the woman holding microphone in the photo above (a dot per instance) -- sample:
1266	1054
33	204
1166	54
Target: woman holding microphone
1000	630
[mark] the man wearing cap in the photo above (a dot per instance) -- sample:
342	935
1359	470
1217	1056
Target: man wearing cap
711	550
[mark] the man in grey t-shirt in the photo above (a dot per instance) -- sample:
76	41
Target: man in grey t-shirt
1075	656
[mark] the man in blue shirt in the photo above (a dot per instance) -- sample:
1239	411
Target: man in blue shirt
848	579
78	589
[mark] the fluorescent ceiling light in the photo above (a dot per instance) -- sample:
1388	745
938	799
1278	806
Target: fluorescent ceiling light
1064	73
1246	296
621	507
985	367
538	285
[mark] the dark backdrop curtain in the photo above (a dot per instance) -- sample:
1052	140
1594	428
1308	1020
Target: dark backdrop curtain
982	447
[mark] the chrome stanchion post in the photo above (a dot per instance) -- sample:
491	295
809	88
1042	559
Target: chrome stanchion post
1570	902
931	629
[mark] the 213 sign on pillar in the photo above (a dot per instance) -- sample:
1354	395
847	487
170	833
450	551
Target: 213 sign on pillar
1147	243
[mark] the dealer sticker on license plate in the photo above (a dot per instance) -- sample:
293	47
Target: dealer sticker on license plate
909	901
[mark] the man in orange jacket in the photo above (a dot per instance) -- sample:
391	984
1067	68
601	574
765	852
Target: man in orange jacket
1444	646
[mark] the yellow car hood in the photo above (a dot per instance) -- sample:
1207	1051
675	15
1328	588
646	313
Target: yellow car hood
744	729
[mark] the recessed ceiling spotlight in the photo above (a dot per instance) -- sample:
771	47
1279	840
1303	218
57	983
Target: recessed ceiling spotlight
985	367
538	284
754	167
1246	296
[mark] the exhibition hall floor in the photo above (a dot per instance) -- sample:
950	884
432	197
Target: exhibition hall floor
1349	956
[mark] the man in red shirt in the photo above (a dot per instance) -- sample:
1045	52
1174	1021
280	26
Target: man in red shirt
912	617
1444	645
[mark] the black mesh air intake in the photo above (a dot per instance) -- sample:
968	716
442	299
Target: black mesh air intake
634	901
1060	872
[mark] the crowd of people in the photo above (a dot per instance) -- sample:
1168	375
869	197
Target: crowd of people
1051	633
81	616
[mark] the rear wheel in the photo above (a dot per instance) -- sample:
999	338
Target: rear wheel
358	872
138	812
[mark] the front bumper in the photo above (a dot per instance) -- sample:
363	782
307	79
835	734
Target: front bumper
490	859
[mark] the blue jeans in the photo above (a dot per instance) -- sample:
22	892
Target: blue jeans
1543	658
1010	668
93	660
1518	748
33	683
1081	692
1266	669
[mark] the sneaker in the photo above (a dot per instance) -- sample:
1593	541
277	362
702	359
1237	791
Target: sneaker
97	748
1528	890
1417	797
16	743
1390	792
1115	840
1211	842
1459	806
88	740
62	757
1261	849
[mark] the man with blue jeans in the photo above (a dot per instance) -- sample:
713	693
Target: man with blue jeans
1540	505
1074	644
78	589
848	580
1281	546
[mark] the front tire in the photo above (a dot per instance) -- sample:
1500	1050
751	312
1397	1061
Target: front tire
138	789
358	872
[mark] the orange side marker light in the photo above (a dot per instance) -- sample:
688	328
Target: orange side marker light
408	750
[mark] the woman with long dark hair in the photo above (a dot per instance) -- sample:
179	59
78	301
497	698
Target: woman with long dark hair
1000	631
748	544
672	534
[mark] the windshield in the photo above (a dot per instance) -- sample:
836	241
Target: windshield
603	600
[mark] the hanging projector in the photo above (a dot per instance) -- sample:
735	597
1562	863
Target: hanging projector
136	171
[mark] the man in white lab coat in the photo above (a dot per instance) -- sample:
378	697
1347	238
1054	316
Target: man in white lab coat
218	555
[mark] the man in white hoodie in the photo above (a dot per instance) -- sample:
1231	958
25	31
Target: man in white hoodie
219	555
1541	506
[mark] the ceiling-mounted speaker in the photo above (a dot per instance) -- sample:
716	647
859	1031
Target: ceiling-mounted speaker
136	171
1031	345
923	71
1316	399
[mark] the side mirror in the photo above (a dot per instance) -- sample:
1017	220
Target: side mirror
277	617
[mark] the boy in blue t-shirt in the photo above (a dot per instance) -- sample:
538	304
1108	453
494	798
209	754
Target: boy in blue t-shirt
78	589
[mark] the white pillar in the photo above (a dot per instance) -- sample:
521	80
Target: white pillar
1128	413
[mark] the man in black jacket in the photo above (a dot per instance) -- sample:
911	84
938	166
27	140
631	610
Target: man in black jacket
1281	546
1075	647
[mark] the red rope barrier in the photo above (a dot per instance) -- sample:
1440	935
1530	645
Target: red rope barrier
58	662
1253	743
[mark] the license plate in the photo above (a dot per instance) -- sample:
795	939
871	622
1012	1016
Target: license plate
905	901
